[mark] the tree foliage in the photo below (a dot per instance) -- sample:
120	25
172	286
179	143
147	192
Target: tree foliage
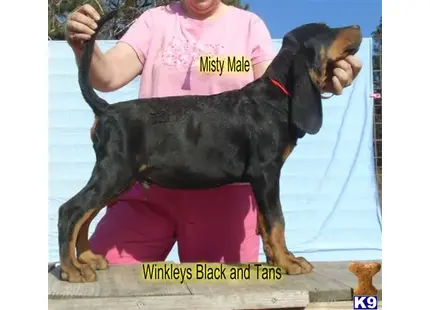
377	86
377	57
58	10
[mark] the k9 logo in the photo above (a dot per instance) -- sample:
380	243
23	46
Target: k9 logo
365	302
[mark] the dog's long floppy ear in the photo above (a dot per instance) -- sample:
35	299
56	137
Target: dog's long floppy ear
306	98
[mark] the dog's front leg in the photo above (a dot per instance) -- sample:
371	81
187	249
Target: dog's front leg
271	225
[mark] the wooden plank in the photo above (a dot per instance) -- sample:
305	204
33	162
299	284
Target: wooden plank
329	282
320	288
338	271
285	300
339	305
118	281
177	302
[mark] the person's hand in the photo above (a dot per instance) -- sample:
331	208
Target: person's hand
344	73
81	25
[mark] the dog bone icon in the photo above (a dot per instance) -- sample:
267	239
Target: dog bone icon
365	272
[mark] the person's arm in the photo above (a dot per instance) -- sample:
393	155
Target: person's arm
113	70
261	47
122	63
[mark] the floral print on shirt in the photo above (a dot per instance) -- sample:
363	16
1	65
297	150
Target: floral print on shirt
183	53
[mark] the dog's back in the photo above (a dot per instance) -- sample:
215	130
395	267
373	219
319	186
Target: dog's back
170	135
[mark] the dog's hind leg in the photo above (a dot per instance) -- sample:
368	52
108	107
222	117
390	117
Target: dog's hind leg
109	179
71	216
84	253
271	226
111	175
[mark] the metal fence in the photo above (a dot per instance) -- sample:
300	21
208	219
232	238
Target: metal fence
377	115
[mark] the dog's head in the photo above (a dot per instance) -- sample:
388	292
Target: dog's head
315	49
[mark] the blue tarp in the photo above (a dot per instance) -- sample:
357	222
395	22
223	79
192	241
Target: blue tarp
328	185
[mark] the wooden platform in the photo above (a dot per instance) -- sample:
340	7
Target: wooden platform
329	286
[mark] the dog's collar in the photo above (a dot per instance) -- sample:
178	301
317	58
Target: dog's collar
280	86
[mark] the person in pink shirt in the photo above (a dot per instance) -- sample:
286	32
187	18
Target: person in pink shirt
164	46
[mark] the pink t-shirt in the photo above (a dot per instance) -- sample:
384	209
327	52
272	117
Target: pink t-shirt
170	44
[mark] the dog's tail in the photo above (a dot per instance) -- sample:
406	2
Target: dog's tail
97	104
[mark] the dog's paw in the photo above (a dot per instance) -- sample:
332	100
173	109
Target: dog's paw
294	265
78	275
299	265
95	261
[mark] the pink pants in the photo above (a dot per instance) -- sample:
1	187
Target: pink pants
216	225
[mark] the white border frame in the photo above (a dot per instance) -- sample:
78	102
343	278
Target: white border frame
406	154
406	171
24	164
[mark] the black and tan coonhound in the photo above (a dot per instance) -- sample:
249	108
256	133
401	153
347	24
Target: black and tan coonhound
201	142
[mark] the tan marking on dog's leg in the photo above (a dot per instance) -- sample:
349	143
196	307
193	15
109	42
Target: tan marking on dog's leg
265	237
72	269
277	243
84	253
282	257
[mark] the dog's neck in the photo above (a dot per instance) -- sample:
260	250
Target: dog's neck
278	84
280	69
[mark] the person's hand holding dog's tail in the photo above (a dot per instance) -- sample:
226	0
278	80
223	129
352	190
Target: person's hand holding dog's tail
81	25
